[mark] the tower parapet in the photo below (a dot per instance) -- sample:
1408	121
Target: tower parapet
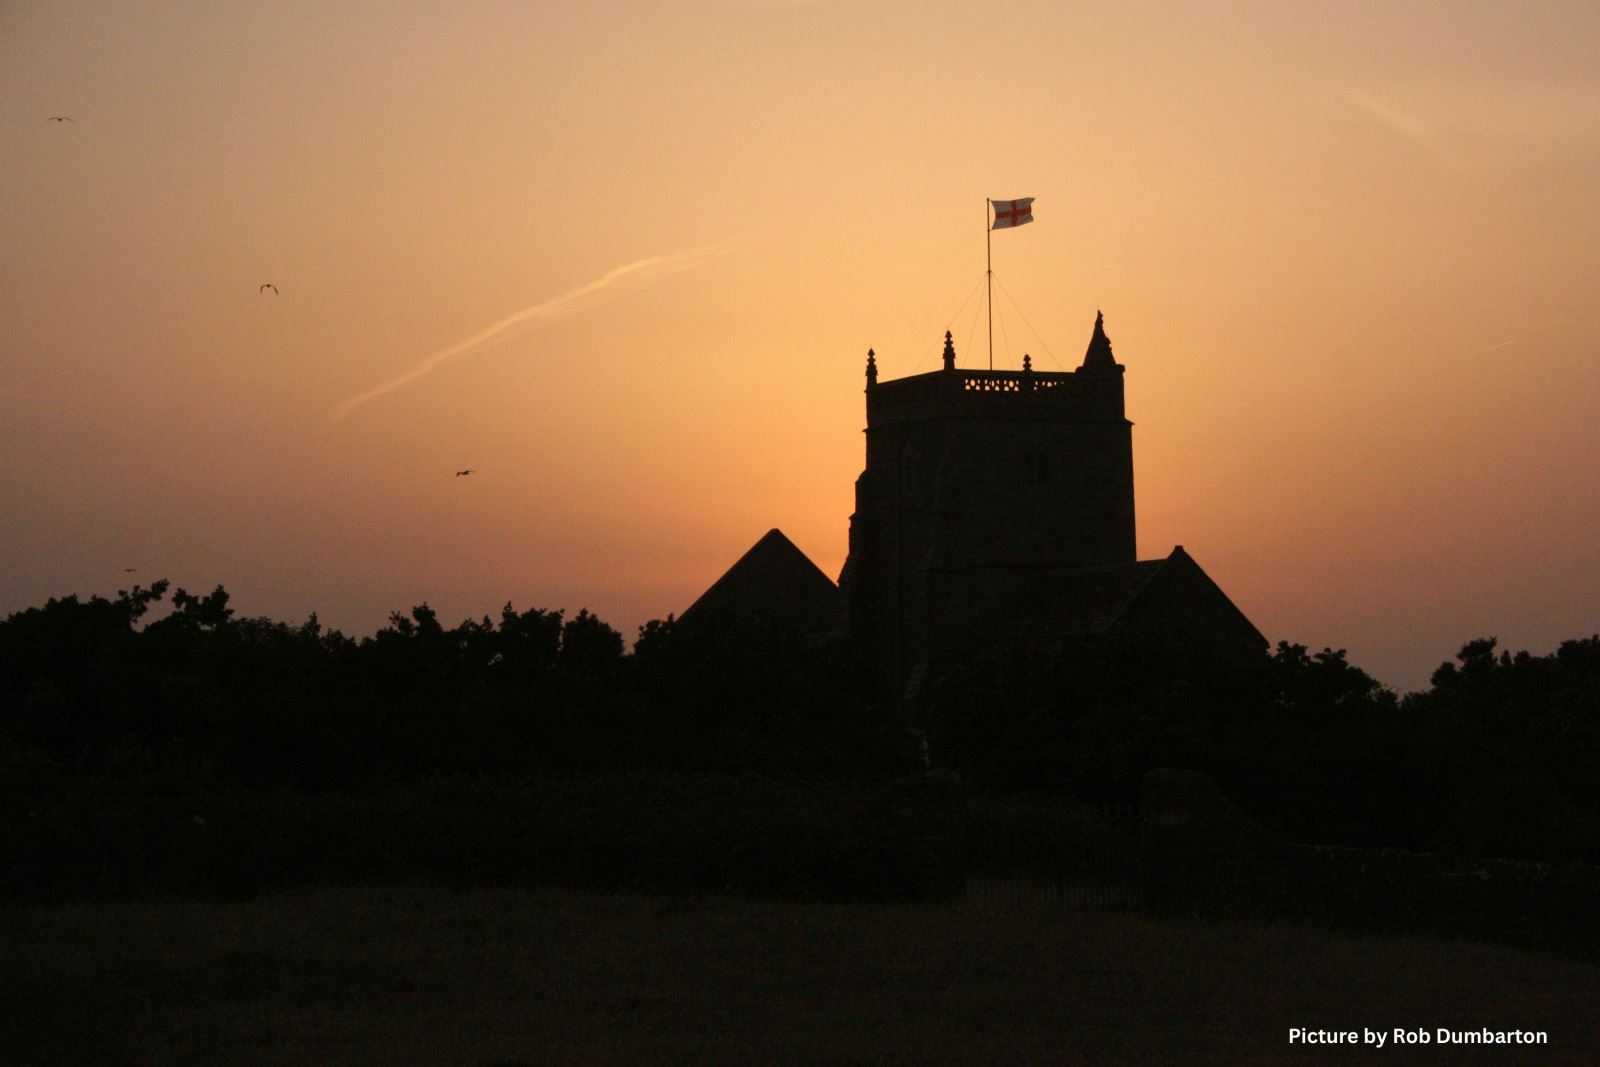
1093	391
1009	393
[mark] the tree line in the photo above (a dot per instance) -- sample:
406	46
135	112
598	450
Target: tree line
203	696
1501	754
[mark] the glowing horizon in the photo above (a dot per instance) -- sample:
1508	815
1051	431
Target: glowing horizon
1347	258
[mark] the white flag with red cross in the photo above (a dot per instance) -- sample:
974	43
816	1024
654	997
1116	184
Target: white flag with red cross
1008	213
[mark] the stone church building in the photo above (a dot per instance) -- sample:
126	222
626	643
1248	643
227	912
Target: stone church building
994	519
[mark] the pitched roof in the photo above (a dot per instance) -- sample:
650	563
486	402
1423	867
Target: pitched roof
1090	600
773	584
1173	595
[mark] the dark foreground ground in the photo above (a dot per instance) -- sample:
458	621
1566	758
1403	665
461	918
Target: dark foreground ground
503	977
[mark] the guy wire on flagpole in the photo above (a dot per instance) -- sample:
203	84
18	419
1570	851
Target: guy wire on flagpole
988	273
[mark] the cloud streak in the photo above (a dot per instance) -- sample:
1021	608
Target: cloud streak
1408	125
1467	124
609	285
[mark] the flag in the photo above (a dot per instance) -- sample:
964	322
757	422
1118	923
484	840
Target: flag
1009	213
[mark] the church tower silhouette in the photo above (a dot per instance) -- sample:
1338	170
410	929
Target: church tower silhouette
995	512
993	526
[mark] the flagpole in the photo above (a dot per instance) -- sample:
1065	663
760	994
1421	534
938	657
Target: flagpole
988	273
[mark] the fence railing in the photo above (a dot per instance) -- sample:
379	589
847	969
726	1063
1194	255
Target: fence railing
1078	855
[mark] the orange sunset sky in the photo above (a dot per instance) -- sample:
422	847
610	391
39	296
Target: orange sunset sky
1349	254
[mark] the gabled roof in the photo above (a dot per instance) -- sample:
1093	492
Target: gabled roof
1172	596
774	585
1090	600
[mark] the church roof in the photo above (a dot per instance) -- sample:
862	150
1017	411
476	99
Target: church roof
1090	600
1172	595
775	585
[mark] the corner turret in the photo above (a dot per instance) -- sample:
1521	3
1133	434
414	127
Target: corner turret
1098	358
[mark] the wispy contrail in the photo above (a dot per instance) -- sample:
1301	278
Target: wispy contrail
1399	121
570	302
1491	348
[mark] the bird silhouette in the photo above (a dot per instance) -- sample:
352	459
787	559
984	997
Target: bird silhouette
130	570
59	118
460	473
268	285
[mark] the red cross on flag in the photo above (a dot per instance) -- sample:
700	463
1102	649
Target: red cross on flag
1008	213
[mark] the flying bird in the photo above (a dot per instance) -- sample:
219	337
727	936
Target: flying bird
268	285
59	118
460	473
130	570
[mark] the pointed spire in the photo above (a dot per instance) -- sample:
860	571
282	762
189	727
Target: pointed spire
872	369
949	352
1098	357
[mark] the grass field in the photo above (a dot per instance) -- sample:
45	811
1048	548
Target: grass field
483	977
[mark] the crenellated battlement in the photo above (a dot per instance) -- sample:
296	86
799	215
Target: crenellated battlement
1092	392
1008	393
